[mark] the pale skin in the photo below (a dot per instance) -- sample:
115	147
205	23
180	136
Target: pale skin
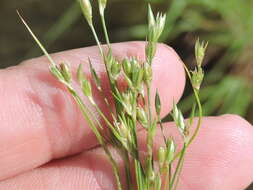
41	123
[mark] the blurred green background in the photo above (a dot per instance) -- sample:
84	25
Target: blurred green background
227	26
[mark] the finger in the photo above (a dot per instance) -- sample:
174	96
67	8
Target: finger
220	158
39	119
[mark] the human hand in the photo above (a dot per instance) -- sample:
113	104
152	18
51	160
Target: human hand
46	144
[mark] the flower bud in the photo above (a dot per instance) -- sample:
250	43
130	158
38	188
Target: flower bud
102	5
87	10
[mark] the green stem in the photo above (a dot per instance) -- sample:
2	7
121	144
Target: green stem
200	117
127	170
98	135
105	30
149	136
167	176
162	128
178	166
180	170
137	162
97	40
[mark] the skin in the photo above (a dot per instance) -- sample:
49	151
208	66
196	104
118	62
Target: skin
46	144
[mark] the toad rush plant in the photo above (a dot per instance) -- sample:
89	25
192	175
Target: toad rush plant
133	108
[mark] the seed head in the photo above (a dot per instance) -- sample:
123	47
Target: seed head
200	49
156	26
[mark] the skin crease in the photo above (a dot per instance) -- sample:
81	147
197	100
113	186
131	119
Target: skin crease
46	144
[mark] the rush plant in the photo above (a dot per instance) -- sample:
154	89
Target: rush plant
133	108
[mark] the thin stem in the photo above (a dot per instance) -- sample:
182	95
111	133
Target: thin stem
127	170
98	135
178	166
149	135
105	30
200	117
37	40
179	172
137	163
97	40
162	128
167	176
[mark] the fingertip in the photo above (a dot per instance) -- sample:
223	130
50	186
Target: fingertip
169	77
222	153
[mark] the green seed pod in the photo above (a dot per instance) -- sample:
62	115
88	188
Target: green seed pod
115	69
95	76
138	79
197	78
142	116
170	151
80	74
157	103
179	119
102	6
86	88
65	71
87	10
161	156
127	67
147	78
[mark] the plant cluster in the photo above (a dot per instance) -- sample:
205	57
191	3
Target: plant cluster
133	108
